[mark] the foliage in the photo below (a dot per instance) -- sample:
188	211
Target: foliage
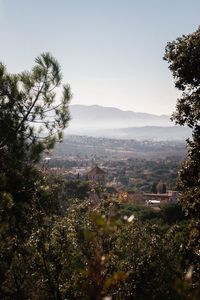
184	62
172	213
32	116
55	246
91	253
76	189
183	57
28	103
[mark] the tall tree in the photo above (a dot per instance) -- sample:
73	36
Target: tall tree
33	113
183	56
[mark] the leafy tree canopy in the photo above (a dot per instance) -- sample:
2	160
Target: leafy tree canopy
32	115
183	56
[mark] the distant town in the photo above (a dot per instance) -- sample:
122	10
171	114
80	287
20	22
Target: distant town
143	172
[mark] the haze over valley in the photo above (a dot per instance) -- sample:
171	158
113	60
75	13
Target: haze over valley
100	121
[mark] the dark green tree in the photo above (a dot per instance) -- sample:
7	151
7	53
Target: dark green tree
32	117
153	189
161	187
33	113
183	56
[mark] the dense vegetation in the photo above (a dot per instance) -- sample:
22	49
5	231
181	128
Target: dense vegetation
142	174
54	244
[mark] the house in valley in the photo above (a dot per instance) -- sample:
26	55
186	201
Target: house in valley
97	174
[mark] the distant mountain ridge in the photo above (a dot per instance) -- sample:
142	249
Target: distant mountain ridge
111	122
99	117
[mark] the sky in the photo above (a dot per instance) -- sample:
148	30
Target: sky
110	51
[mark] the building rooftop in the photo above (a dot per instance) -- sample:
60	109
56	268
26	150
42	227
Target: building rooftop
96	171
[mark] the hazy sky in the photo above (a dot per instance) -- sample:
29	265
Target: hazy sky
110	50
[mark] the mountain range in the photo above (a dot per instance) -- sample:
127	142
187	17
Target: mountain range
96	120
99	117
